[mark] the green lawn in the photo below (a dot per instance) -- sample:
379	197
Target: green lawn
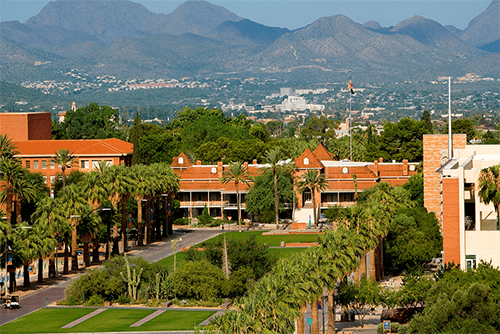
270	240
51	320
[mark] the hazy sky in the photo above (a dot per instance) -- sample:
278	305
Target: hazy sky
299	13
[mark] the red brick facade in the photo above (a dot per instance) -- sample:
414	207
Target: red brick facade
451	213
26	126
435	154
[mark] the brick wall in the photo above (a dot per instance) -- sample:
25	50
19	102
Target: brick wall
26	126
39	126
451	220
435	146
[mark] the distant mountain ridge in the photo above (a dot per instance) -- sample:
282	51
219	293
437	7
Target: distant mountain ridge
125	39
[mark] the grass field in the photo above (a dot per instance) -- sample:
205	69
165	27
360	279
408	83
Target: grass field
112	320
270	240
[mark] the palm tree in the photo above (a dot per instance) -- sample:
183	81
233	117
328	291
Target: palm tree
139	192
313	181
49	213
7	148
121	183
237	173
10	169
273	158
24	188
76	207
489	188
65	159
96	191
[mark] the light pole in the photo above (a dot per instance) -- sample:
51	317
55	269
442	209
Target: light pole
74	244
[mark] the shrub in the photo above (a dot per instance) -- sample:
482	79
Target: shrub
181	221
95	300
205	218
199	280
123	299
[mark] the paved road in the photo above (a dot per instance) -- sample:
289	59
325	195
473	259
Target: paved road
151	253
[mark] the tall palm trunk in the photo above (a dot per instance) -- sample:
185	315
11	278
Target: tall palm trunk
86	254
331	312
95	249
140	240
108	240
314	206
147	238
66	254
8	199
40	270
372	268
157	220
276	202
19	218
74	246
124	224
300	320
314	316
52	266
239	207
169	217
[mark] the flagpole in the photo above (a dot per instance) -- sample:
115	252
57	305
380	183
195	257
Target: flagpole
350	125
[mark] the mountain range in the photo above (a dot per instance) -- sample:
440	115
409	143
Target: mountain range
124	39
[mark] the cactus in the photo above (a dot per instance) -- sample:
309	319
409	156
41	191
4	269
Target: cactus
133	280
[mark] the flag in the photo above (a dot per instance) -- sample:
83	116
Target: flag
350	86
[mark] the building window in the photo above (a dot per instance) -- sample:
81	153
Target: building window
52	164
412	168
181	160
200	197
95	164
345	170
44	179
109	163
332	198
44	164
28	164
470	261
52	180
348	197
84	164
35	164
214	170
306	161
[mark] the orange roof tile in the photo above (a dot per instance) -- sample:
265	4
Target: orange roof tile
88	147
322	154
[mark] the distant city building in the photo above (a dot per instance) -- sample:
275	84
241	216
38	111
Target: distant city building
298	103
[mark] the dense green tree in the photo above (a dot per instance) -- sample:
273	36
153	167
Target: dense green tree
415	186
403	140
90	122
413	240
461	302
360	296
260	201
156	148
65	159
7	147
320	128
340	148
463	126
10	169
426	119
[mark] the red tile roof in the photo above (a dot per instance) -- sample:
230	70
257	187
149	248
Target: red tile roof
89	147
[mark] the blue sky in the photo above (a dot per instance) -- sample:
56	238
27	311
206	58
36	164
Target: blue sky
299	13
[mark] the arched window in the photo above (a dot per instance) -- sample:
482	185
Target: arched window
345	170
214	170
306	161
181	160
412	167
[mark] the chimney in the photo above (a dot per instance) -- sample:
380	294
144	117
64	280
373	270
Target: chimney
198	162
220	167
375	168
405	167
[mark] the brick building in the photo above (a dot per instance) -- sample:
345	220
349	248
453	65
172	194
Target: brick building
469	227
26	126
200	184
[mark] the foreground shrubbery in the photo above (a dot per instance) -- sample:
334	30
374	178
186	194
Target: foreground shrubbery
199	280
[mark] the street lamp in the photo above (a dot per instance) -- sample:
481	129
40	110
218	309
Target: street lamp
6	250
